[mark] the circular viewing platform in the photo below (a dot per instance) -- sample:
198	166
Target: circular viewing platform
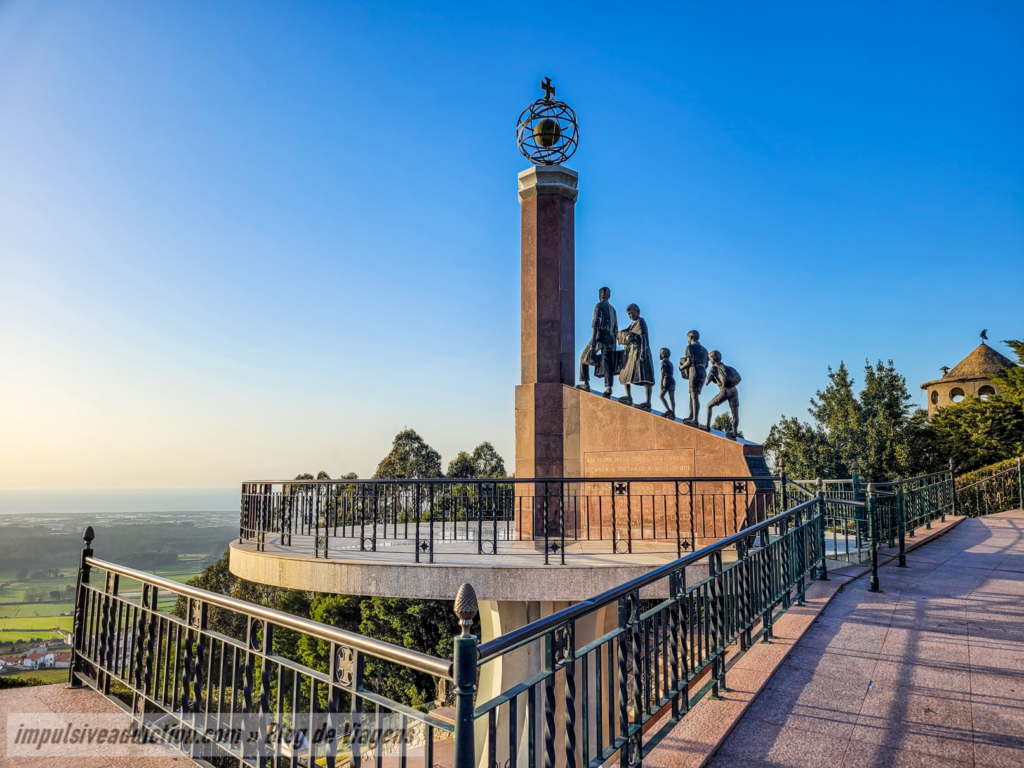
513	539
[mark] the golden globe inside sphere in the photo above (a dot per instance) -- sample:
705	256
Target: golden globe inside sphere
546	132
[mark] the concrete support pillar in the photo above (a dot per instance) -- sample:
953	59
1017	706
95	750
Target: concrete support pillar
501	617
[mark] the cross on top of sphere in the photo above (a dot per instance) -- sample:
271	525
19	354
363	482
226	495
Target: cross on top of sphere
549	89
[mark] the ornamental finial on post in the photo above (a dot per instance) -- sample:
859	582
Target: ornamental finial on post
466	607
547	132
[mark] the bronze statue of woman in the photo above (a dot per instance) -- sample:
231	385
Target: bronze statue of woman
639	365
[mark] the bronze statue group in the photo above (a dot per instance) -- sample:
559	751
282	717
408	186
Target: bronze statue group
634	364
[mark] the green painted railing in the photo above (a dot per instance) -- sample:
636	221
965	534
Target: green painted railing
605	679
1001	491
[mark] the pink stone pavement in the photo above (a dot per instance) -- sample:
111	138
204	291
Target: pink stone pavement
56	699
930	672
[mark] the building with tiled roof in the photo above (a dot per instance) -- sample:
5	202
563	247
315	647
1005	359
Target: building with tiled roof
971	377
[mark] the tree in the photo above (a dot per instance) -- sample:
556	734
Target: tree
461	466
22	574
483	462
321	475
889	434
349	476
876	429
410	457
1011	381
488	462
428	626
723	423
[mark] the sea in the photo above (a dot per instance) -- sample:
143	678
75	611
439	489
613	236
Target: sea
136	500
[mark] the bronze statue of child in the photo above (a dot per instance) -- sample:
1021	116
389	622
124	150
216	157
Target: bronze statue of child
639	365
693	367
727	378
668	384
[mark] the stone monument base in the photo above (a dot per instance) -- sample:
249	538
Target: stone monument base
602	438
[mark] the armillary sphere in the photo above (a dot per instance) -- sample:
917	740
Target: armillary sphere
547	132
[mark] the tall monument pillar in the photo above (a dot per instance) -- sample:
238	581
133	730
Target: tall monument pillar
547	197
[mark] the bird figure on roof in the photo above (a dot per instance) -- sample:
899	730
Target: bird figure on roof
984	335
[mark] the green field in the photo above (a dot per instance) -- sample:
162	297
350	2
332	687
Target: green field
48	676
34	609
27	591
28	627
25	621
43	622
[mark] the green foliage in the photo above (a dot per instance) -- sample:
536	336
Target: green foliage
218	578
874	428
427	626
723	423
461	466
483	462
487	461
410	457
1011	381
980	474
976	433
19	682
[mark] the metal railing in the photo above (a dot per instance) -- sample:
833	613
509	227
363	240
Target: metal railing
220	669
428	519
999	492
604	679
669	630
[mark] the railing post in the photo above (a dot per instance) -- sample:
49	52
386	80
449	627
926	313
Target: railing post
1020	486
901	523
858	512
873	534
923	485
952	487
785	490
464	669
801	549
823	572
79	628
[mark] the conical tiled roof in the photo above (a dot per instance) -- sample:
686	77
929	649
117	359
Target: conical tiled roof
982	363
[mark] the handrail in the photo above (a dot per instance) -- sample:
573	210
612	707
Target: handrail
847	502
518	636
512	480
986	479
377	648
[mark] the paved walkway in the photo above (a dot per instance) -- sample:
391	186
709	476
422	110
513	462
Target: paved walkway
929	672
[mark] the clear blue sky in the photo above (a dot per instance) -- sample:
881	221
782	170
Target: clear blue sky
242	240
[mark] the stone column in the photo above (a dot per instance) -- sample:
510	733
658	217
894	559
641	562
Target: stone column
547	196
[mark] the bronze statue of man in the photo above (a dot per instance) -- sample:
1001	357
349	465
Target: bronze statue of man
601	351
727	378
639	365
693	366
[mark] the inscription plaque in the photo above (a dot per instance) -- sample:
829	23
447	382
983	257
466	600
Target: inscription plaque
672	463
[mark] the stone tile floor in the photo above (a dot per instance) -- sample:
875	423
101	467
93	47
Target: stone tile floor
928	673
56	699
